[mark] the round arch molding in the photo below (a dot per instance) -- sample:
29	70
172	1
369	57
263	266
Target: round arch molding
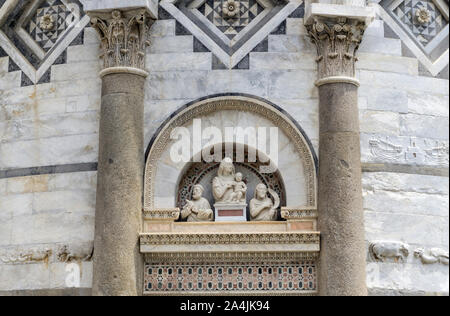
297	159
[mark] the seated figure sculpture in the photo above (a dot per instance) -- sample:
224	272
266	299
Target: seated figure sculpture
262	208
199	209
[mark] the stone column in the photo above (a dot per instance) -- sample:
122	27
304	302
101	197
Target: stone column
342	270
118	265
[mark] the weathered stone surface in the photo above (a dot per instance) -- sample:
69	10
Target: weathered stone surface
385	99
117	262
400	182
295	27
162	28
385	46
424	126
422	229
380	122
285	84
282	61
405	65
375	29
179	61
403	82
193	84
290	44
41	276
428	104
406	203
407	278
340	199
171	44
83	53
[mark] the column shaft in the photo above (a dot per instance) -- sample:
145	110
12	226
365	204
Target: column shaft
117	261
341	218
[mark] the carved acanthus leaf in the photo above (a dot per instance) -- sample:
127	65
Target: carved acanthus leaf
337	41
124	37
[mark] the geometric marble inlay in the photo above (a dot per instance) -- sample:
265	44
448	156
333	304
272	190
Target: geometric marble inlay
407	12
246	12
210	278
423	27
49	22
230	29
36	33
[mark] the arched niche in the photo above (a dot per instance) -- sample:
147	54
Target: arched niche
297	164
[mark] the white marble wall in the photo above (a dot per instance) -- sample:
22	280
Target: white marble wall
57	123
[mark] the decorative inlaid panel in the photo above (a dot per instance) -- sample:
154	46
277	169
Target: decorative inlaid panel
423	27
422	18
230	29
49	22
186	278
35	35
231	22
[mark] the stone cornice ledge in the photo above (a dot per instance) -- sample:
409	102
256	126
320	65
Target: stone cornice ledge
230	242
108	5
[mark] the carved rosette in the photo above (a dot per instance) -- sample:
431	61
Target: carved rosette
337	41
124	37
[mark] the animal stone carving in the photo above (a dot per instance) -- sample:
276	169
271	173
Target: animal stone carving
199	209
262	208
385	250
75	252
18	256
432	256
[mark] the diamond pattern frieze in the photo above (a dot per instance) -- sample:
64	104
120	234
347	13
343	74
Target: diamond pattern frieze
36	33
230	29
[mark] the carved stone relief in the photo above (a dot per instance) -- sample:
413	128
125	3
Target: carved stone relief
124	37
417	151
432	256
336	41
199	209
391	251
55	253
388	250
262	207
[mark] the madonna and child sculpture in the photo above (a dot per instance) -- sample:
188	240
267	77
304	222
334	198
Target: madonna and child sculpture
230	195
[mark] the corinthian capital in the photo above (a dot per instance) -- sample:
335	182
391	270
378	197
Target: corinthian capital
336	40
124	38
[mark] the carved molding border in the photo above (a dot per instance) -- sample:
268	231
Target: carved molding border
299	213
229	238
230	257
234	103
170	214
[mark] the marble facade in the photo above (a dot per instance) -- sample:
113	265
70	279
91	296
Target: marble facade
230	63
